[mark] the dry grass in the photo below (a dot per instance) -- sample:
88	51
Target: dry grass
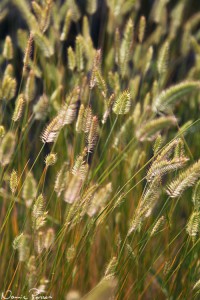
99	151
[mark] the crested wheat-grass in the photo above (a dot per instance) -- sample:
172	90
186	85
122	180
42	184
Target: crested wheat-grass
186	179
99	149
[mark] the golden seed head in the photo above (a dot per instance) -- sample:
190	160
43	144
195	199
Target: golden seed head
50	159
18	108
49	238
2	131
13	181
8	48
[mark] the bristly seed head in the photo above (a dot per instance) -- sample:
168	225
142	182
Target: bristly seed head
50	159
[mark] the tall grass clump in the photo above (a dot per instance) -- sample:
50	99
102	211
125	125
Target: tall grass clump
100	149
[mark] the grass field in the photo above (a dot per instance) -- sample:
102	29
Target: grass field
99	150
